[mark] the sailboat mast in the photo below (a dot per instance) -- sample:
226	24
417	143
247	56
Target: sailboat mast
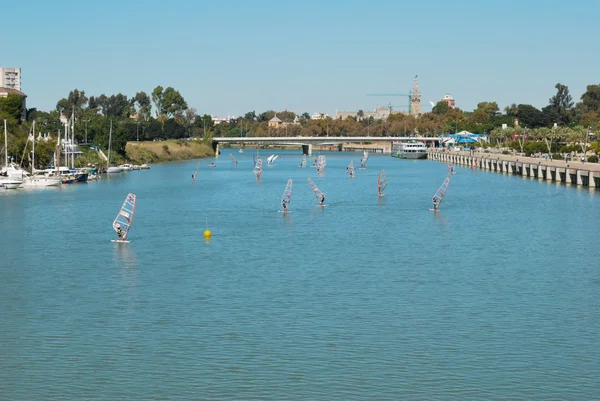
66	143
109	141
33	155
58	153
73	139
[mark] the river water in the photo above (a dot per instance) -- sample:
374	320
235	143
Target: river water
497	296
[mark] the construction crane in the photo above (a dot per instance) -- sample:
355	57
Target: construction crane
409	95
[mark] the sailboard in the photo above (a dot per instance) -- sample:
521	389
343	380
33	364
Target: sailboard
364	160
439	195
286	198
233	160
258	168
196	173
124	219
350	169
320	196
381	183
321	163
303	161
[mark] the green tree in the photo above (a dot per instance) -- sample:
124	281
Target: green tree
11	107
560	106
77	100
157	98
172	102
531	117
440	108
142	100
489	108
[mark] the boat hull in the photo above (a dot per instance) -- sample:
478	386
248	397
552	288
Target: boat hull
40	182
113	170
411	155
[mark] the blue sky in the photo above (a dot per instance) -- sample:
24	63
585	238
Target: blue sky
228	57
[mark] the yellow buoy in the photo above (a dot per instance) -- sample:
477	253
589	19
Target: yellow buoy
207	233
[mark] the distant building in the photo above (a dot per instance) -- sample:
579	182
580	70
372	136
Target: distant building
10	78
275	122
415	99
4	92
319	116
380	113
217	120
448	99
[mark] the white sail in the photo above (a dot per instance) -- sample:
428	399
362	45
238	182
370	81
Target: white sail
235	163
381	183
321	163
286	198
364	160
258	168
303	161
124	219
350	169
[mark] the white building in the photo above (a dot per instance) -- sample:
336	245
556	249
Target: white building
10	78
319	116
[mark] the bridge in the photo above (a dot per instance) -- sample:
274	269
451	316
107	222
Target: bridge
307	142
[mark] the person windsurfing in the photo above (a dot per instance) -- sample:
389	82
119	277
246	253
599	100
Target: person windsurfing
119	232
322	199
435	202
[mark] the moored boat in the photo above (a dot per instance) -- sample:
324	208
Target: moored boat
409	150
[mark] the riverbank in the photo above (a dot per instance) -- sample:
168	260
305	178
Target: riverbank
165	151
560	171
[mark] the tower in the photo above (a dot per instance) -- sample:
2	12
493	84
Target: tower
415	99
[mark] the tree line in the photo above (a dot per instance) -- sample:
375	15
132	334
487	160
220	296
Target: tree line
165	114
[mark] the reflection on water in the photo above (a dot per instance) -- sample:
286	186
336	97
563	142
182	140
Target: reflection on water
125	255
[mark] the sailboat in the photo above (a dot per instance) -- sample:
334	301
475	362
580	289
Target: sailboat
320	196
37	180
286	198
439	195
196	173
303	161
350	169
8	180
235	163
271	159
124	219
450	169
109	168
381	183
364	160
321	163
257	168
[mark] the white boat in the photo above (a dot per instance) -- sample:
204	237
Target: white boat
145	167
126	167
241	151
122	223
111	169
12	185
41	178
409	150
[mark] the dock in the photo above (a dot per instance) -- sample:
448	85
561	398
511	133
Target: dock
569	172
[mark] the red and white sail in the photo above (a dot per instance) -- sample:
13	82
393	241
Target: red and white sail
125	216
381	183
439	195
320	196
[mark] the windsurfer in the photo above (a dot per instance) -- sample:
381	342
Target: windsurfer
435	203
119	233
322	199
284	204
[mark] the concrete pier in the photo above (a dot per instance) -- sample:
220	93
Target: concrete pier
572	172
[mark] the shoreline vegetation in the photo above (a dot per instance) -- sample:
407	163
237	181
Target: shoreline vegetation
148	128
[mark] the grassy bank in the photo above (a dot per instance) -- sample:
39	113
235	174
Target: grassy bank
164	151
